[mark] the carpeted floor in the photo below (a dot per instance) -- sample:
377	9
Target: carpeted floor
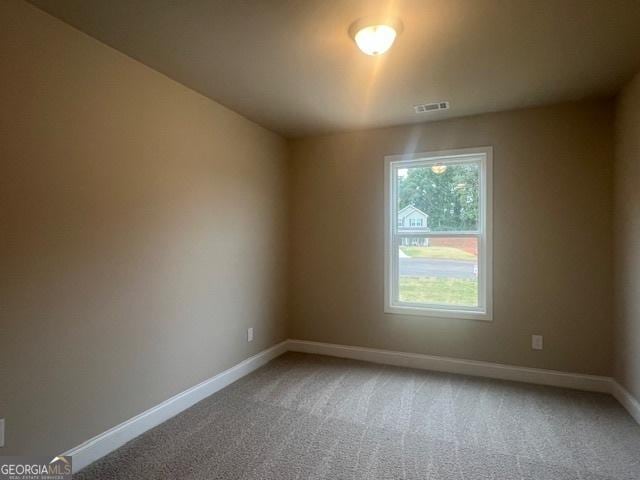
308	416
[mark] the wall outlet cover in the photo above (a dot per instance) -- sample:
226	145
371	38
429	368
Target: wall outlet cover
250	334
537	342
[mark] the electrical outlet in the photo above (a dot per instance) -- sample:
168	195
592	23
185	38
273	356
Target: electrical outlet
250	334
1	432
536	342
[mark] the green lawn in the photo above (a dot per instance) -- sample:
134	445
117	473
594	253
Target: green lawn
447	253
456	291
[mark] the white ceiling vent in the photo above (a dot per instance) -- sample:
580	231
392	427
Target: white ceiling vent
431	107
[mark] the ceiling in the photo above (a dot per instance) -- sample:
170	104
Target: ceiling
290	65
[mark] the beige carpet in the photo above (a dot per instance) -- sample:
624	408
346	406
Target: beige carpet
308	416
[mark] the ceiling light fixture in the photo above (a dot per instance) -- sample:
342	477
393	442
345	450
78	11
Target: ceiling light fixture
374	36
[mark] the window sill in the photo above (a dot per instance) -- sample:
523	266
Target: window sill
440	313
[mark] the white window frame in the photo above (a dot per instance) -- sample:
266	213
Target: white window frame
484	234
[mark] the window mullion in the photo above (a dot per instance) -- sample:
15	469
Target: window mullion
439	234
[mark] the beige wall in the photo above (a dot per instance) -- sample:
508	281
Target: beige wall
627	239
552	239
143	230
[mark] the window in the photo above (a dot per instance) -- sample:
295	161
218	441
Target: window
440	267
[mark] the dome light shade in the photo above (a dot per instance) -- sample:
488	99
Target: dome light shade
375	39
375	36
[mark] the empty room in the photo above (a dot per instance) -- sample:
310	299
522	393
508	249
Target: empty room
320	239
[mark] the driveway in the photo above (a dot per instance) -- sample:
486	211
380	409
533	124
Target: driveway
429	267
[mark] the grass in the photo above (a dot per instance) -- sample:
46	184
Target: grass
446	253
446	291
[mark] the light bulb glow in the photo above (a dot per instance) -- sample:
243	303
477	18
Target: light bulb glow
439	169
375	39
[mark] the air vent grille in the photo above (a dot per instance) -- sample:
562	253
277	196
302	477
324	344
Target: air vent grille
431	107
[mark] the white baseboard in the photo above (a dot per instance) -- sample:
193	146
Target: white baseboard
108	441
455	365
627	400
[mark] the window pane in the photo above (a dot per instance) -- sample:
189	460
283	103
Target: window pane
438	271
438	198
